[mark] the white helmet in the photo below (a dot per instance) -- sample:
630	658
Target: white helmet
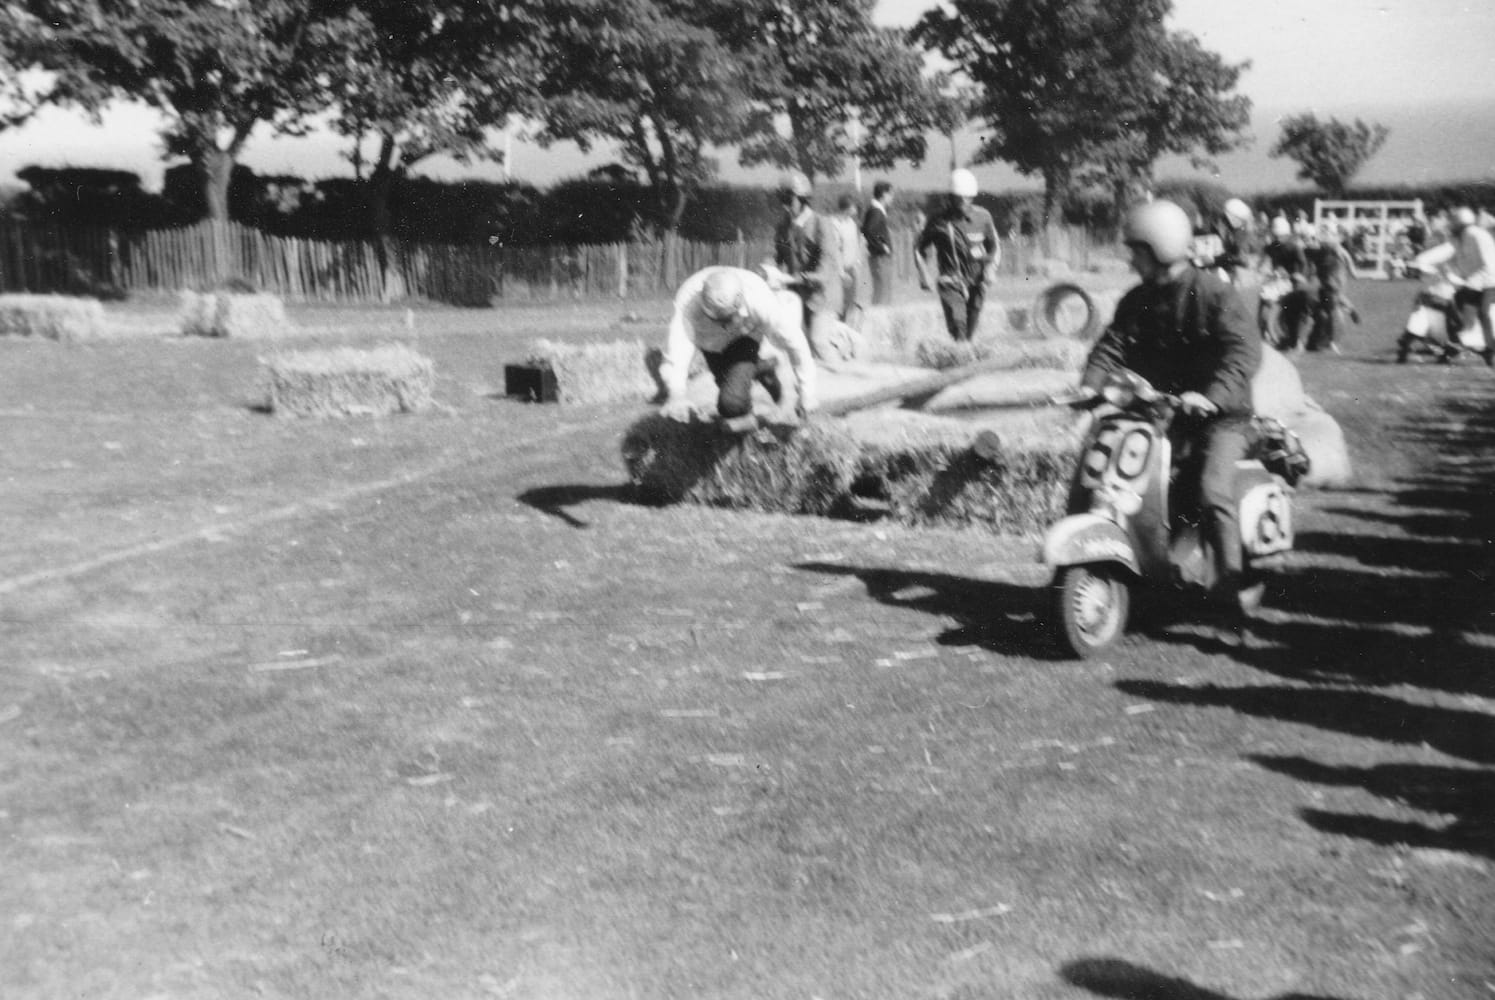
1238	212
1281	228
721	294
963	183
1162	227
1463	218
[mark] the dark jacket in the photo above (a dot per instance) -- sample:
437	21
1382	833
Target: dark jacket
1287	256
964	241
1191	333
875	231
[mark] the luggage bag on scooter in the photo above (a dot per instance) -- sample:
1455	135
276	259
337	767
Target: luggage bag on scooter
1280	450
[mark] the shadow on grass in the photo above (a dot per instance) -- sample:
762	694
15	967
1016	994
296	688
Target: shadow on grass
1000	617
1465	794
1404	604
554	500
1113	977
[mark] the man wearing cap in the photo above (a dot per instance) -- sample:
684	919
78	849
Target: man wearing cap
799	247
1470	256
727	314
966	252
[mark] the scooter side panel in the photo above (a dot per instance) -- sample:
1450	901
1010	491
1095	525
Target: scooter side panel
1266	513
1088	538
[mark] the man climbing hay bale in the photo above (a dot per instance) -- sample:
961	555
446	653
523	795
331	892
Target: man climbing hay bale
739	325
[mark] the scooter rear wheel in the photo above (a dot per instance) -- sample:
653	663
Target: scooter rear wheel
1091	604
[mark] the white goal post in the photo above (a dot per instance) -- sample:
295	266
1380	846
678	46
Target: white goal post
1372	231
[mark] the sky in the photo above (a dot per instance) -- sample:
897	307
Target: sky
1425	68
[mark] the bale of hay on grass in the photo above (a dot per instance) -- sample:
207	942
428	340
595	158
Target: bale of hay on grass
52	317
343	382
779	469
242	316
1018	491
596	373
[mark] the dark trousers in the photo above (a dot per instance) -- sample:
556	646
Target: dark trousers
1207	480
962	305
882	278
734	368
1295	318
1480	299
1326	314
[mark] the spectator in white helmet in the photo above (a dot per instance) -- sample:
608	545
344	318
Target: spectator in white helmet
739	324
967	252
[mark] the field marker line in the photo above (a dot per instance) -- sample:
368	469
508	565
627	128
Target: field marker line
325	503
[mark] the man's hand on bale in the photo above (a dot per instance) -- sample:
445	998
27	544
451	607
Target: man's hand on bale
678	409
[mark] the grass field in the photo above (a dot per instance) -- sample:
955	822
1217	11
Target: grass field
423	707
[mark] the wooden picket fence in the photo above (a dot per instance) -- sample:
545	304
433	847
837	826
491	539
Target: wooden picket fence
96	261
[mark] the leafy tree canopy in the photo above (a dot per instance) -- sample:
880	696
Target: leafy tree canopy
1070	86
215	69
820	64
1329	153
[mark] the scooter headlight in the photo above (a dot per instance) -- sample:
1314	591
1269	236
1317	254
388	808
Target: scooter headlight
1131	460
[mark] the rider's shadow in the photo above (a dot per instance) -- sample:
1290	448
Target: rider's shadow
1122	980
1001	617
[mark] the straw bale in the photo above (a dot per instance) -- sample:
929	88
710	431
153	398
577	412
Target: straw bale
242	316
597	373
936	478
53	317
1328	454
781	469
342	382
1277	388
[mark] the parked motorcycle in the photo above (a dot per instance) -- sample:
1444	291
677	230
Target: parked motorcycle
1435	327
1125	529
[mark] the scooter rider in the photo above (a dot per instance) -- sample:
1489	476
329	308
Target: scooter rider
1189	334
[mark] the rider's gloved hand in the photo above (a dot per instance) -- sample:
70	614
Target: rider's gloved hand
1195	404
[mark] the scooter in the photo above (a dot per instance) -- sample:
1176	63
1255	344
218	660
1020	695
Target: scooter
1123	533
1435	325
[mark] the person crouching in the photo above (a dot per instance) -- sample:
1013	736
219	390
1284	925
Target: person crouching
739	324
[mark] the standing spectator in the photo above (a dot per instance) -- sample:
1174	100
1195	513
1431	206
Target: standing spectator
1286	258
1470	256
1331	264
1235	240
967	251
879	243
799	248
848	258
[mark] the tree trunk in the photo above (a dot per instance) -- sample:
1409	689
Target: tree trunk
381	184
215	168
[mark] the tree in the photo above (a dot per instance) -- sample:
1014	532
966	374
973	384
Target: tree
1330	152
215	69
1069	85
432	77
819	65
653	76
1181	105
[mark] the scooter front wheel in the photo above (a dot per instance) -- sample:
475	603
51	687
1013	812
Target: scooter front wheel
1091	604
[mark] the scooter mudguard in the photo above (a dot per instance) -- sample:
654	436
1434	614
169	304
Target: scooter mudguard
1088	538
1265	512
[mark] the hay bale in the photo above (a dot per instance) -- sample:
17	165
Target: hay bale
596	373
779	469
343	382
242	316
1328	454
52	317
1277	388
936	479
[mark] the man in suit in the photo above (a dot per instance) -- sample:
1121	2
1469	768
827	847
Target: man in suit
879	244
